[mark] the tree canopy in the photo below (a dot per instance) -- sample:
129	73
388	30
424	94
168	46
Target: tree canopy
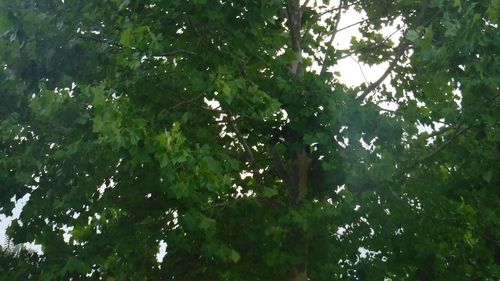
220	129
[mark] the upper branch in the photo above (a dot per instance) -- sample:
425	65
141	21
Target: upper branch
400	50
459	130
399	53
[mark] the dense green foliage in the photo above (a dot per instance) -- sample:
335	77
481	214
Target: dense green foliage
204	124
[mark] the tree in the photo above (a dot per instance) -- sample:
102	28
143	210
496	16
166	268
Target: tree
205	125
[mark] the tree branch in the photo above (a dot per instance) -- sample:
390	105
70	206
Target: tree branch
458	132
187	101
112	44
246	147
439	132
381	44
334	9
176	52
360	69
278	164
399	53
352	24
117	46
304	6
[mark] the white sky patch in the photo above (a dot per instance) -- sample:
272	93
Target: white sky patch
6	221
162	251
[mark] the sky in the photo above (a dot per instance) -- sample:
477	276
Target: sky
5	221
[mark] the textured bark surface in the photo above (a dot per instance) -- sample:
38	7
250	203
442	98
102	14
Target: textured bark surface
299	171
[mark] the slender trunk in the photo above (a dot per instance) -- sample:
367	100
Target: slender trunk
297	184
294	13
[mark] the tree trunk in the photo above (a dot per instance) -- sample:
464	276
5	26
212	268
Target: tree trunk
298	177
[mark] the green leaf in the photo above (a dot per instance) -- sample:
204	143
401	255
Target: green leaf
412	35
488	175
269	192
234	256
207	223
200	2
126	37
75	265
212	164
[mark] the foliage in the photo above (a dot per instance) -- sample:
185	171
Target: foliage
18	263
203	124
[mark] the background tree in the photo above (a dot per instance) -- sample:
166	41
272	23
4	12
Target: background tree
206	125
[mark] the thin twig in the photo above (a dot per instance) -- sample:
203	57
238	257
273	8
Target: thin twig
361	69
334	9
332	36
117	46
176	52
352	24
112	44
315	19
187	101
389	110
380	44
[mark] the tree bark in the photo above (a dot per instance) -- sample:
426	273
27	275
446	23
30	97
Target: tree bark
298	177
